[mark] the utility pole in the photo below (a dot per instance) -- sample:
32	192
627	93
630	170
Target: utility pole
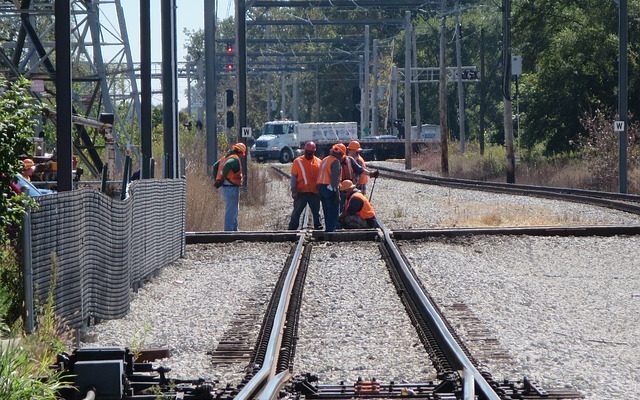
241	62
460	86
294	103
268	100
283	96
374	90
506	91
407	90
482	89
362	92
210	104
169	89
394	97
145	89
63	94
416	86
623	31
317	102
442	94
365	87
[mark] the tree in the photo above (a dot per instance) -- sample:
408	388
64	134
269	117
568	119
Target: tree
570	66
17	112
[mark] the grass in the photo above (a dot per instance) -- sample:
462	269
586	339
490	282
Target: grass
532	168
483	215
205	205
25	360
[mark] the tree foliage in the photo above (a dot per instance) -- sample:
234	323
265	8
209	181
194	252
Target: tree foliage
569	51
17	112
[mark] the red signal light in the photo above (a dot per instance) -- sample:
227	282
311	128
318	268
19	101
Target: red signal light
229	49
229	67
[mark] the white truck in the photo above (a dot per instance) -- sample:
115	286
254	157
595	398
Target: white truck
283	140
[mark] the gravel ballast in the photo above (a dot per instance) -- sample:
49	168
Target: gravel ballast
564	308
568	306
353	324
188	307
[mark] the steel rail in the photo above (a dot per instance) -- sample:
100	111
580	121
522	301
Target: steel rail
579	230
453	351
268	368
618	201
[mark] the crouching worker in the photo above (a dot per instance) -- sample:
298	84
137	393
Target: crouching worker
358	212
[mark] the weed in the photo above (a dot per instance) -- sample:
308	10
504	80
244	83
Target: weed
21	377
24	364
399	212
138	340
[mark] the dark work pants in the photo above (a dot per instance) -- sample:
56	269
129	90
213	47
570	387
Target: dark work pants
299	204
330	208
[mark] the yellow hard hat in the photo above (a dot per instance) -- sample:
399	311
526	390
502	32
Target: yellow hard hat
346	185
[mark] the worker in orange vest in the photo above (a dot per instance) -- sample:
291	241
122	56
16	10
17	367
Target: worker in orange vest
355	152
328	185
304	175
358	212
228	173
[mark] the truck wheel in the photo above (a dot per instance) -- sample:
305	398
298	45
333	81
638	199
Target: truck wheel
286	156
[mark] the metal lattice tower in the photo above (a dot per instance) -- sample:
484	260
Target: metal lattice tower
103	70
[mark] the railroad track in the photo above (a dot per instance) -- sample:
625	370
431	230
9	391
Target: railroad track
273	355
619	201
272	360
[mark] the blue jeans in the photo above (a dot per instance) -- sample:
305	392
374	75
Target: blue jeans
299	204
330	208
231	195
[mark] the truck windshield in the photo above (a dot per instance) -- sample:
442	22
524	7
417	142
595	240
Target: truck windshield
272	129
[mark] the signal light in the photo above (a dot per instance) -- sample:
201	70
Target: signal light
229	49
230	120
355	94
229	67
229	94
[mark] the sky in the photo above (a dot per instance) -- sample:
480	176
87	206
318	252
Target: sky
189	15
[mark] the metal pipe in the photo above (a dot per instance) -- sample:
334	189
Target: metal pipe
27	266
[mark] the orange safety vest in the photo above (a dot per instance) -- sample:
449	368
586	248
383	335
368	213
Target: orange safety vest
366	212
306	172
324	177
362	179
348	173
233	177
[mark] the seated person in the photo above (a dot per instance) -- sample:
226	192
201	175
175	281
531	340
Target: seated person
358	212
